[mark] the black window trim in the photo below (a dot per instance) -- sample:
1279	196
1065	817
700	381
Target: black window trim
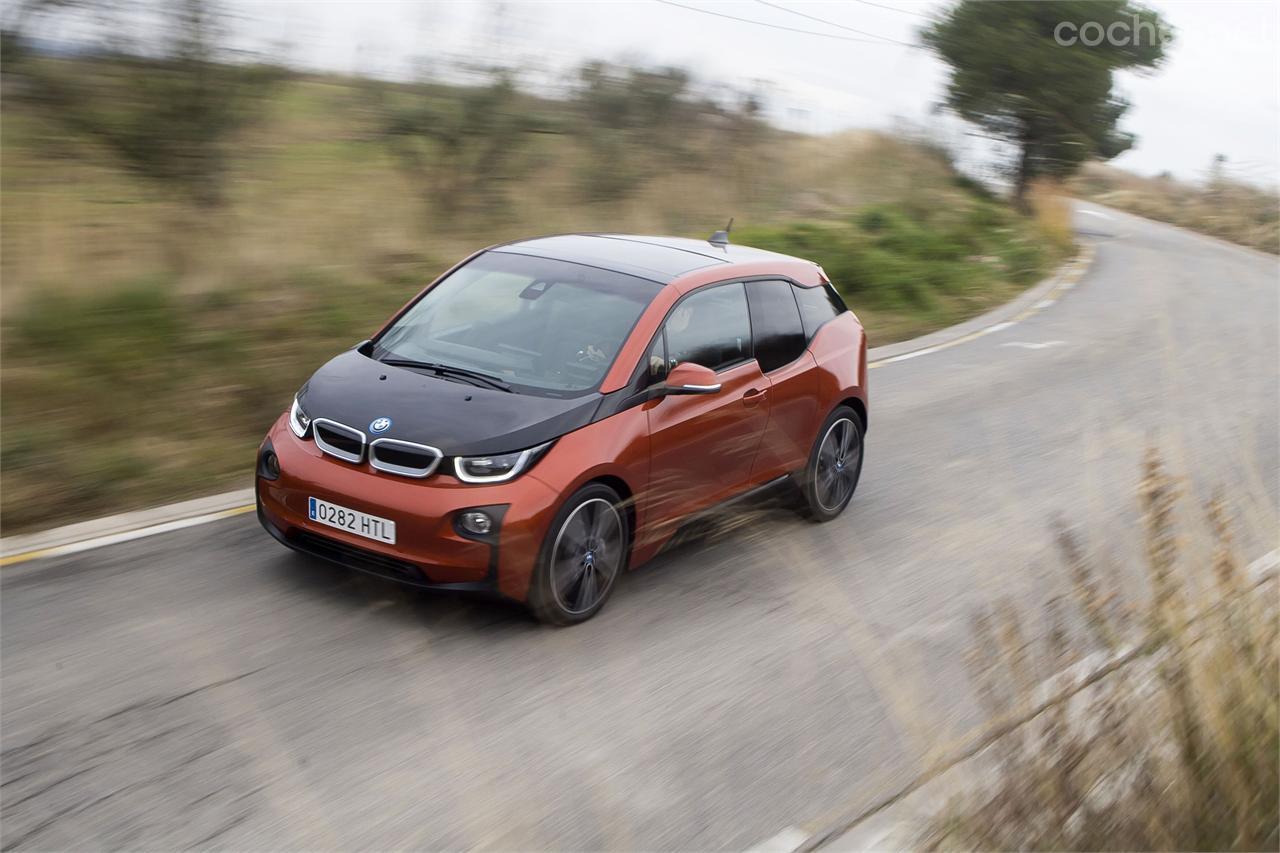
828	288
642	368
799	313
632	394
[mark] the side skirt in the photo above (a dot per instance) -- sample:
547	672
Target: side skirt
707	513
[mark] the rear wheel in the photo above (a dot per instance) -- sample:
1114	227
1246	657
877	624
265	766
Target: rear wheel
585	551
835	464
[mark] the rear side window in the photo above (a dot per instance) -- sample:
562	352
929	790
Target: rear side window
778	333
710	327
817	306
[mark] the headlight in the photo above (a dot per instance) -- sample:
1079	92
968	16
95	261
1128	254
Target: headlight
299	422
497	467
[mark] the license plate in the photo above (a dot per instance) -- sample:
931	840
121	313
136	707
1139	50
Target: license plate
359	523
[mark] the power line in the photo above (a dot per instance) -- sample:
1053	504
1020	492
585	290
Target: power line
832	23
892	8
777	26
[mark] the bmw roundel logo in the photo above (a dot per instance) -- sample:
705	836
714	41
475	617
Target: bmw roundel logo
380	425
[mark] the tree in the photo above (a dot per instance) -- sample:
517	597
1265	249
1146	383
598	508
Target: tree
458	145
165	107
626	120
635	123
1035	73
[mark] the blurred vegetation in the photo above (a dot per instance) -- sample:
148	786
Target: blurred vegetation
166	112
1165	730
1221	205
178	254
1011	76
460	148
910	258
139	393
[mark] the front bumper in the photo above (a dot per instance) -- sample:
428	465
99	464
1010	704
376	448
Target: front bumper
430	552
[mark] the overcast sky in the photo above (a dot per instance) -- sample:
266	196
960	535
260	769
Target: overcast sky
1218	92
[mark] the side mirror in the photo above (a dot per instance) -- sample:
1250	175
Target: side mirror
689	378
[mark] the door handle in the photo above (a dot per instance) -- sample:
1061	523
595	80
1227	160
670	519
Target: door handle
754	397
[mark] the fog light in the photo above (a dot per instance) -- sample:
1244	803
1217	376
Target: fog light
268	462
476	522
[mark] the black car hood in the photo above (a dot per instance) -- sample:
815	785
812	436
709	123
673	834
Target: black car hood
458	418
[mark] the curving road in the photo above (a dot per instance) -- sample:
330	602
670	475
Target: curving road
208	688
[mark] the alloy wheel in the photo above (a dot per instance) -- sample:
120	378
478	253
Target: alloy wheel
586	556
839	458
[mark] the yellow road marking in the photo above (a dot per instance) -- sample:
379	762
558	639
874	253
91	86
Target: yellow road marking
123	536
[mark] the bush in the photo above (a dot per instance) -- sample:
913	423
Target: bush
892	256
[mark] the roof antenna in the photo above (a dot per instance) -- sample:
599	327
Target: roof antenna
721	238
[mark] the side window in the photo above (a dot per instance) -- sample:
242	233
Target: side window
710	327
817	306
775	324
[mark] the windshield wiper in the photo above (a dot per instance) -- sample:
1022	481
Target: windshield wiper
450	370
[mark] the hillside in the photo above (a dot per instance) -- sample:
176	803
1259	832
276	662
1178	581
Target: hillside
148	341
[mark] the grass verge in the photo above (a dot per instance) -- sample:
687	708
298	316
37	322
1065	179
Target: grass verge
1175	751
1222	207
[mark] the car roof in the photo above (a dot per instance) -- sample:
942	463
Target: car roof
658	259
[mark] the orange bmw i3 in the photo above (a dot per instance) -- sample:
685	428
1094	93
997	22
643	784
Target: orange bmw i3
549	412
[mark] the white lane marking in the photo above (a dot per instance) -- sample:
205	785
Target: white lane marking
1033	344
907	355
1265	564
127	536
890	838
1067	279
1097	213
784	842
1083	669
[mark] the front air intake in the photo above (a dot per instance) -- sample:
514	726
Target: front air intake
338	440
404	457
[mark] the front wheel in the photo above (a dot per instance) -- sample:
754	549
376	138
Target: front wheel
835	464
585	550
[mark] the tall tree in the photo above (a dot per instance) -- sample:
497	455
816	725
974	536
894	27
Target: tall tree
1038	73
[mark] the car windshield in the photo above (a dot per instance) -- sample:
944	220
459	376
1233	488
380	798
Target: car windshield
539	325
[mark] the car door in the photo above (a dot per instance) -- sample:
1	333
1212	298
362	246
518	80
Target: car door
780	349
702	446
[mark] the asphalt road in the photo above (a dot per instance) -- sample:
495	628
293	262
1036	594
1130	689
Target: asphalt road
209	688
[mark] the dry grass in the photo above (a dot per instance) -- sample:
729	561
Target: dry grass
1226	208
312	191
1178	749
1052	210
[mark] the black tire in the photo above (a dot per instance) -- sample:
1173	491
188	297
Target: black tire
586	549
830	477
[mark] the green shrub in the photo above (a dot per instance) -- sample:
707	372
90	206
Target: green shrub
114	331
891	257
139	393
